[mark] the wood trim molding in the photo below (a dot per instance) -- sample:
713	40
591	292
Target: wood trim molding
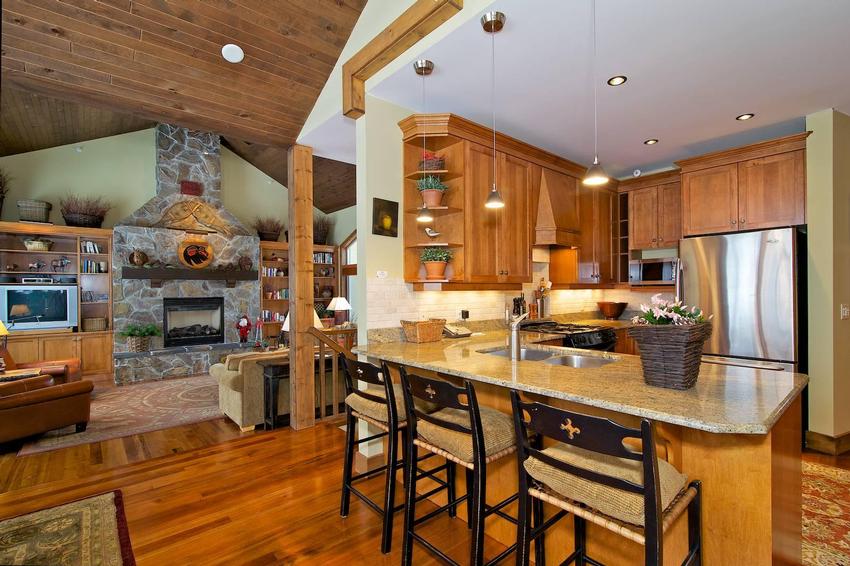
437	125
663	178
785	144
833	445
423	17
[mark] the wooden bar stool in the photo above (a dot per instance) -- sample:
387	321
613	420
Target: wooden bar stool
463	433
371	406
592	474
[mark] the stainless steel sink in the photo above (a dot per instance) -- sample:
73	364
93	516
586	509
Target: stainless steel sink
576	361
528	354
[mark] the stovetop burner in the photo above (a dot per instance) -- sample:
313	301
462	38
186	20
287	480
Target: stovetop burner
576	335
559	327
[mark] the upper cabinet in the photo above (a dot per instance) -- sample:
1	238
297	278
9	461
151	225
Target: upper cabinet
596	215
655	211
754	187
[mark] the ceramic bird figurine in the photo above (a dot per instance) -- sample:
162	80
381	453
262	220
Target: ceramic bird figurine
431	233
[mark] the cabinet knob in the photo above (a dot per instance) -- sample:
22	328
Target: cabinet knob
734	222
743	220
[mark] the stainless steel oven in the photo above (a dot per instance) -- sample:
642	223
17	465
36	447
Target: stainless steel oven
653	271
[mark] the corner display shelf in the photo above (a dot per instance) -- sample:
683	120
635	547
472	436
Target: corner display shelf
79	257
274	282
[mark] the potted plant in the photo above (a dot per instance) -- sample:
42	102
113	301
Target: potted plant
431	188
268	228
670	337
435	261
431	161
139	336
86	212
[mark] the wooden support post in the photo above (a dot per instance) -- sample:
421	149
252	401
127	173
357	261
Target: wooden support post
302	409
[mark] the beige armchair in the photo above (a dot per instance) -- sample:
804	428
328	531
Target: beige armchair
241	387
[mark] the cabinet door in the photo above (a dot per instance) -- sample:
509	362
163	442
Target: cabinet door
23	350
772	191
587	237
96	353
481	225
643	218
669	215
710	200
515	180
604	227
60	347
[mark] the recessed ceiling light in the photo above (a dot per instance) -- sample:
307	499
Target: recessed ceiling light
652	141
618	80
746	116
232	53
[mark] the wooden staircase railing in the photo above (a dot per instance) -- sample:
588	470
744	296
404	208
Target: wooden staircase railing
328	392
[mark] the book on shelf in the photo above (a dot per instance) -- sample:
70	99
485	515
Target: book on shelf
323	257
89	247
274	272
272	316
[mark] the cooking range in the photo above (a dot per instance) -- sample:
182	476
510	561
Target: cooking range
575	335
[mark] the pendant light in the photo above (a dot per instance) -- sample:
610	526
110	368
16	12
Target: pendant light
596	175
493	22
423	68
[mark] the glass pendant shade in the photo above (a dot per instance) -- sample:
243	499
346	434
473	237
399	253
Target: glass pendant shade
494	199
596	175
424	215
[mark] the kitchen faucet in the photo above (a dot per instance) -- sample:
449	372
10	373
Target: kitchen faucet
515	345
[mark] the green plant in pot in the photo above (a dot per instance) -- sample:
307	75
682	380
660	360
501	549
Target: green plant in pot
139	336
435	261
431	188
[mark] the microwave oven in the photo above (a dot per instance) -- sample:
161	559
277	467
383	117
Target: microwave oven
653	271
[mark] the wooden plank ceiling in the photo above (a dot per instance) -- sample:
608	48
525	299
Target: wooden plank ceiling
161	59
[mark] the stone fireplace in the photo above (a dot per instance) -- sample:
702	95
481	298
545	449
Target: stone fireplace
193	320
179	300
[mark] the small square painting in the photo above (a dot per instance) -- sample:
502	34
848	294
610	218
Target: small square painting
385	217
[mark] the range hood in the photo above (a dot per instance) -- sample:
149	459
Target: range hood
557	211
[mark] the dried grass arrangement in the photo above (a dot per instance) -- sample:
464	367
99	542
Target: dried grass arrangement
5	185
321	229
268	228
86	212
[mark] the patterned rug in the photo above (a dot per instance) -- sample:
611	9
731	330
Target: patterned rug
134	409
89	532
826	515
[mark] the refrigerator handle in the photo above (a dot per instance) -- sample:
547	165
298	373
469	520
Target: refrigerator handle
679	285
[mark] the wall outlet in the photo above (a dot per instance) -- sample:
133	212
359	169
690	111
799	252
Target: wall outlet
845	312
464	314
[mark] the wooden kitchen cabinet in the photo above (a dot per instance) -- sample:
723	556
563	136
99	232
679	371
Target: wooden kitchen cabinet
481	260
669	214
596	208
747	188
643	218
655	213
625	343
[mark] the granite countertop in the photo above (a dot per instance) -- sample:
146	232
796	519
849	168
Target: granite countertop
726	399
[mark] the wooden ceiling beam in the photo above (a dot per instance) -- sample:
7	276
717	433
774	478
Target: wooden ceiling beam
423	17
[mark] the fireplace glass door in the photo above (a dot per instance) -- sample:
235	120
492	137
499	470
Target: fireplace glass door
192	321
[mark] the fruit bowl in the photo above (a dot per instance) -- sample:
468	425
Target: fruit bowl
611	311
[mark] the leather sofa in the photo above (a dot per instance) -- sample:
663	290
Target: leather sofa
241	389
38	404
62	371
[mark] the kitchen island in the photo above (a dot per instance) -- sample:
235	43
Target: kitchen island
738	430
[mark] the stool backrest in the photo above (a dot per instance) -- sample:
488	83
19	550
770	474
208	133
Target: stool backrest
444	395
355	370
594	434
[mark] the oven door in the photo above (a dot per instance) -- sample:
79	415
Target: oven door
653	271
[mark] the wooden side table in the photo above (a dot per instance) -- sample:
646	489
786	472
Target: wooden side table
16	374
273	373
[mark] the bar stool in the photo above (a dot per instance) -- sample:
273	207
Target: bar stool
463	433
592	474
371	406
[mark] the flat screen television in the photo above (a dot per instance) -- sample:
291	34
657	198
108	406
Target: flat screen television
34	307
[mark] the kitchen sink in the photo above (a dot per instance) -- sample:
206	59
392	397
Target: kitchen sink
528	354
577	361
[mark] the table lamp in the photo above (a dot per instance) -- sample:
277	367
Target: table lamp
340	306
5	334
317	323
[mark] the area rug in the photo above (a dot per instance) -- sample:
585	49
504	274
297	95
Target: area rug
138	408
88	532
826	515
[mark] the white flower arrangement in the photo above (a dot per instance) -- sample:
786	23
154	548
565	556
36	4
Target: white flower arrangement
661	312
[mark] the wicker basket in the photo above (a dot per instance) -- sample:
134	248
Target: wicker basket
34	210
94	324
38	245
423	330
82	220
438	164
671	354
138	343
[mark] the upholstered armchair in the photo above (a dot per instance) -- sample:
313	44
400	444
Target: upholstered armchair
37	404
241	387
62	371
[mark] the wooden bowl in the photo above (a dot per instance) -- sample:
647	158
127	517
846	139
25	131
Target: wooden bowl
611	311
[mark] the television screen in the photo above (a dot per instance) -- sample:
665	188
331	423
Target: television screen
47	305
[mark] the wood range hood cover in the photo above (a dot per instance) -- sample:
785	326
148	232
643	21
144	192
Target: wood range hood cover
557	211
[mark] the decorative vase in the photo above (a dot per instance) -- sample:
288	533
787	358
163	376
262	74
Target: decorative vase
139	343
432	198
269	236
82	220
671	354
435	269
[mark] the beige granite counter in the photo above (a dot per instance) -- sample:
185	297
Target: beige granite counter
726	399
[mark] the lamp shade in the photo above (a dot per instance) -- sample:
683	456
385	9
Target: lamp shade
317	323
339	304
19	311
3	330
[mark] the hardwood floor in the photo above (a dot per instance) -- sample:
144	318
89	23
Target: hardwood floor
264	498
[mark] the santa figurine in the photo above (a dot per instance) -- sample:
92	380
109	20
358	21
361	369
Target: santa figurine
244	328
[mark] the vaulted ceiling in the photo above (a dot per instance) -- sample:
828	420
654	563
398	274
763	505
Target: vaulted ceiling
160	59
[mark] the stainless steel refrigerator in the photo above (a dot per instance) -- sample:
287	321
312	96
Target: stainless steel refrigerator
749	282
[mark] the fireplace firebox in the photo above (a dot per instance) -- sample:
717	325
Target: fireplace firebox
193	320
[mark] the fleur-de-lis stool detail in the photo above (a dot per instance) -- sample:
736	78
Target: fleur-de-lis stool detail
571	430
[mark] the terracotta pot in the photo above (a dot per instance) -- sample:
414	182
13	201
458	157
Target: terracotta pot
435	269
432	198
